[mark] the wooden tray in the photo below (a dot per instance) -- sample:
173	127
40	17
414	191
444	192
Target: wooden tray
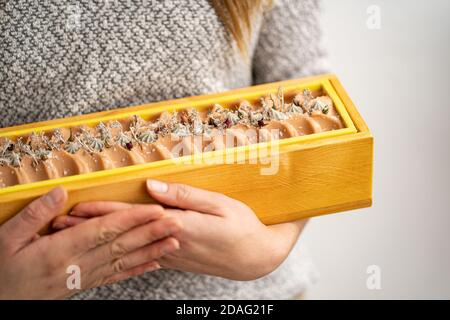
317	174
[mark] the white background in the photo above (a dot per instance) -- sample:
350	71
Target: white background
398	77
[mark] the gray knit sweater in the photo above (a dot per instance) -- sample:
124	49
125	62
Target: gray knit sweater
64	58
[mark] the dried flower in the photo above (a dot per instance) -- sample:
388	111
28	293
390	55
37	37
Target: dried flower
296	101
43	154
34	140
280	95
122	139
4	161
97	144
71	135
206	129
10	147
136	122
233	118
6	146
58	137
319	106
216	108
295	109
129	145
148	136
105	133
307	94
25	149
255	117
275	101
266	103
86	135
72	147
184	117
181	130
14	159
197	127
115	124
174	119
277	115
84	145
242	114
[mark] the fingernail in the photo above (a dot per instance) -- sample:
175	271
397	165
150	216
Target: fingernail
60	223
54	197
57	225
170	248
153	267
157	186
169	232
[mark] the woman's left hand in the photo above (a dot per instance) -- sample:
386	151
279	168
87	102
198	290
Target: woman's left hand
219	235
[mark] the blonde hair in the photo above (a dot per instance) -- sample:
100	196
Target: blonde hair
236	15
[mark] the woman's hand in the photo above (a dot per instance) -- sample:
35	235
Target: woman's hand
106	249
222	236
219	235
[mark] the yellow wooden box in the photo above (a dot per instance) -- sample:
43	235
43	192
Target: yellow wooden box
317	174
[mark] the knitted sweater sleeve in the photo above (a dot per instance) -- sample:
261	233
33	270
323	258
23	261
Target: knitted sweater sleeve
289	44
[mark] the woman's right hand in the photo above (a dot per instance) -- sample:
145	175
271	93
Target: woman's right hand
106	249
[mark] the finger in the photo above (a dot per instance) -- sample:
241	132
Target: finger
88	210
172	261
132	240
151	252
97	231
187	197
98	208
66	221
22	228
143	268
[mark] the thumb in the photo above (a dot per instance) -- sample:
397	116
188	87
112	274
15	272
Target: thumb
187	197
23	227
